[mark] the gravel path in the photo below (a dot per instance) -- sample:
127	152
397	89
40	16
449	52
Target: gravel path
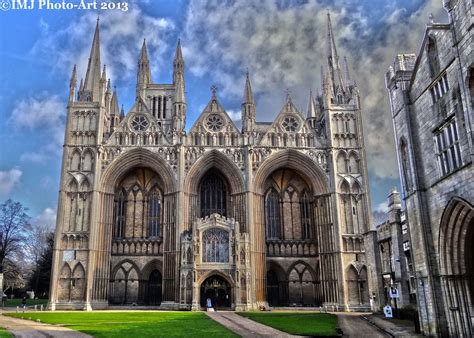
30	329
245	327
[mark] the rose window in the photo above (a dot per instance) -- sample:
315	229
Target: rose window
290	124
214	123
139	123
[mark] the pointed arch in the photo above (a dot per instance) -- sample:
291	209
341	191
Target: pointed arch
341	162
354	163
134	158
75	160
214	159
292	159
456	236
87	160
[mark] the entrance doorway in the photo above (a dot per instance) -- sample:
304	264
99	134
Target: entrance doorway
218	290
154	288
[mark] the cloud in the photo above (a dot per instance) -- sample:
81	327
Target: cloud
382	207
235	115
121	37
8	180
282	43
47	113
47	218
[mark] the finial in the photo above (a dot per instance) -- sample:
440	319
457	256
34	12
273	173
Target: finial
213	90
288	94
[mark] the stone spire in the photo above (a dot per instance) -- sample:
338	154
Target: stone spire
72	84
178	64
334	69
311	106
347	77
92	83
114	107
179	116
143	73
248	107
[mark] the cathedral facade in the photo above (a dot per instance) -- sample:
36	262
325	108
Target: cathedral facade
269	214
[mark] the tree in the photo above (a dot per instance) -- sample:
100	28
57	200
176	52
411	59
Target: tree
14	227
41	275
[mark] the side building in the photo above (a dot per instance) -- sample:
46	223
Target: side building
431	98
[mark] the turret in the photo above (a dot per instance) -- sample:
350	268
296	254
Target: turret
313	111
143	72
248	108
114	111
90	90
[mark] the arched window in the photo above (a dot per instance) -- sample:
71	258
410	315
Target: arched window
120	213
213	195
215	246
154	213
306	223
433	59
272	215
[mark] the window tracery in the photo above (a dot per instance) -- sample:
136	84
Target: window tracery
215	246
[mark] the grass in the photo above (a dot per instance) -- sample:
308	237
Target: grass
298	323
29	302
4	333
134	324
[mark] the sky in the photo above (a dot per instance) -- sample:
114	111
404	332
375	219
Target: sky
280	42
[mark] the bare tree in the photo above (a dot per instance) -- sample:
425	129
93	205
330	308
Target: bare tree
14	228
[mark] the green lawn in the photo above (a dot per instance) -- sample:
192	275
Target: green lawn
29	302
134	324
298	323
4	333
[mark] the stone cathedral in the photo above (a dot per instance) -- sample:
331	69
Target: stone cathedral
154	215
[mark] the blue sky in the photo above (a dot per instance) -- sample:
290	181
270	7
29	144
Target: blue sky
280	42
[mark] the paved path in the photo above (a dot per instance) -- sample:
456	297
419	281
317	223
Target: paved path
245	327
30	329
353	325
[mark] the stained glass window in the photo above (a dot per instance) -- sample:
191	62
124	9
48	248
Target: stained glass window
215	246
272	215
213	195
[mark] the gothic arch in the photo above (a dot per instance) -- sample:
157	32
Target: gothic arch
87	159
154	264
214	159
341	161
297	161
120	264
456	264
134	158
219	273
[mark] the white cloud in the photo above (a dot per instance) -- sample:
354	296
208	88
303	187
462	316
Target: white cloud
235	115
121	37
382	207
47	218
8	180
44	112
283	46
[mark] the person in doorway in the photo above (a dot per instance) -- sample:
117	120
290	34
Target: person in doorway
209	305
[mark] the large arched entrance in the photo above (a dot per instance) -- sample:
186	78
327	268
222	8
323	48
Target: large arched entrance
218	290
457	265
